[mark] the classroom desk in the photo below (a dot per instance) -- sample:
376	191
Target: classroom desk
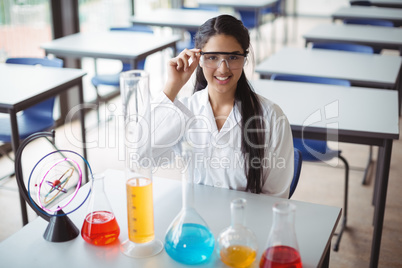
23	86
364	12
186	19
386	3
315	225
117	45
343	114
374	36
365	70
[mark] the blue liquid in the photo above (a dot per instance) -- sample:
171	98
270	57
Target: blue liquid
194	245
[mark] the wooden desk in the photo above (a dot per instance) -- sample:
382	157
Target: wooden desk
23	86
315	225
377	71
386	3
186	19
118	45
363	12
374	36
351	108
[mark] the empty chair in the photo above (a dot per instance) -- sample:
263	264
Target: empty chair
310	79
345	47
318	150
296	173
36	118
248	16
113	80
190	42
250	21
352	48
372	22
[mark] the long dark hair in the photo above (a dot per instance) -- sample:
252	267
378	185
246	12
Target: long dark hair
252	145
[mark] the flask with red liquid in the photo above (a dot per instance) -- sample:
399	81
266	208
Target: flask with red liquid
282	250
100	225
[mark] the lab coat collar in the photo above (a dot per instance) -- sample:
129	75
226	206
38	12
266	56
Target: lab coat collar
233	119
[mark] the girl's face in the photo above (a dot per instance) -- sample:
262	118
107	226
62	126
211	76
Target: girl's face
222	80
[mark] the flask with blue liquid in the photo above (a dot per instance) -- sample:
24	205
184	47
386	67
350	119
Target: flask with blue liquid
189	239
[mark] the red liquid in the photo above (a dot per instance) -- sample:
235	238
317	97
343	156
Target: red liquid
100	228
281	257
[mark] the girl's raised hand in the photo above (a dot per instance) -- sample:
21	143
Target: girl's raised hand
180	70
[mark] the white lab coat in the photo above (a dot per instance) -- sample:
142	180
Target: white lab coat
218	158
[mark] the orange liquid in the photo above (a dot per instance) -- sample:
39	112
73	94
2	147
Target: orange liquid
281	257
140	210
100	228
238	256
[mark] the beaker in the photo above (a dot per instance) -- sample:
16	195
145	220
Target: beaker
135	94
100	226
188	239
282	249
237	245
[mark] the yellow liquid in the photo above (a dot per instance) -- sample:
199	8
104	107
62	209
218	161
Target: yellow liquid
140	210
238	256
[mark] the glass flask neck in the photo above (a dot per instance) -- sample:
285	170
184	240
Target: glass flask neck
188	194
237	208
283	228
284	216
98	200
98	183
188	176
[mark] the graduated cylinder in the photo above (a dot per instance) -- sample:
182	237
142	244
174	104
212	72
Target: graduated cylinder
137	118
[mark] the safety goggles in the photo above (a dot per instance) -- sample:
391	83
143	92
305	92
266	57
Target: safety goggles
214	59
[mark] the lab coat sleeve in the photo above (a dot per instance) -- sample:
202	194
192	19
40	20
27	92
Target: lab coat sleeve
279	154
168	124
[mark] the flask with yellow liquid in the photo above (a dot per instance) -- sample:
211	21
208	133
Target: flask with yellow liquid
237	245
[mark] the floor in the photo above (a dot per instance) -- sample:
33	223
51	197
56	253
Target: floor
319	183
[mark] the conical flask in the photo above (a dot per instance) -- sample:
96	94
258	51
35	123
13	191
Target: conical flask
136	97
237	245
188	239
282	249
100	226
